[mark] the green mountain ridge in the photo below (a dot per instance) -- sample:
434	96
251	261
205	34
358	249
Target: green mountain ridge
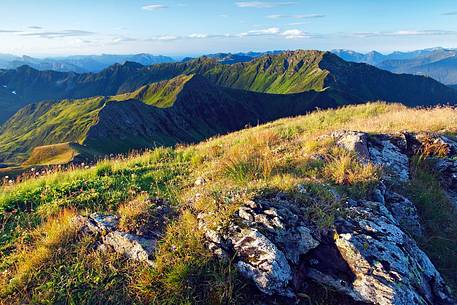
185	109
284	73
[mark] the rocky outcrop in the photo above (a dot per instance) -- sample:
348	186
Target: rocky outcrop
105	226
378	149
353	141
369	253
138	246
268	236
384	153
393	153
404	212
387	265
132	246
366	256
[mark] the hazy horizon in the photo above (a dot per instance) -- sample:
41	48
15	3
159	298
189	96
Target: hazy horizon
184	55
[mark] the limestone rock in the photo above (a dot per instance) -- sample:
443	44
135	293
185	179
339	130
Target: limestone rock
354	141
405	213
261	261
128	244
383	152
268	241
368	257
387	267
133	247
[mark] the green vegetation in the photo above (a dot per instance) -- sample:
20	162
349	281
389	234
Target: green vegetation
162	94
138	107
48	123
163	113
289	72
58	154
43	260
286	73
438	217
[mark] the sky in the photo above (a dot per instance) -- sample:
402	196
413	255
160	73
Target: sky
195	27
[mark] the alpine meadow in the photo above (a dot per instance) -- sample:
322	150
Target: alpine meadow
228	153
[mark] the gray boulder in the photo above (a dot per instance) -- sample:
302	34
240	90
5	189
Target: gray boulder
367	257
138	248
267	237
132	246
386	265
405	213
262	262
384	153
380	150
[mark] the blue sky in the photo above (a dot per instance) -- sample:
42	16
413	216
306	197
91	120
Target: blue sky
185	27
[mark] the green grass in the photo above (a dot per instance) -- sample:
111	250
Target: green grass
48	123
437	215
281	74
162	94
55	154
60	267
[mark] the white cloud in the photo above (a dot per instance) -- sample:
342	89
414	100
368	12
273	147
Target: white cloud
309	16
198	36
9	31
167	38
298	23
262	4
154	7
123	39
294	34
262	32
57	34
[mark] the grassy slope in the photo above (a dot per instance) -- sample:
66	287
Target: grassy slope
370	83
43	260
70	120
62	153
48	123
182	110
289	72
161	94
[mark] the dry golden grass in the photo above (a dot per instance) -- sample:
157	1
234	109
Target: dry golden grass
439	119
134	214
51	154
49	240
345	169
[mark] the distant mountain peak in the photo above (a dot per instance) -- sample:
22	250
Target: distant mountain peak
132	65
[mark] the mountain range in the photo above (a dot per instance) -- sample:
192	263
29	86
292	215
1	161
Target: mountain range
438	63
131	106
233	58
79	63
